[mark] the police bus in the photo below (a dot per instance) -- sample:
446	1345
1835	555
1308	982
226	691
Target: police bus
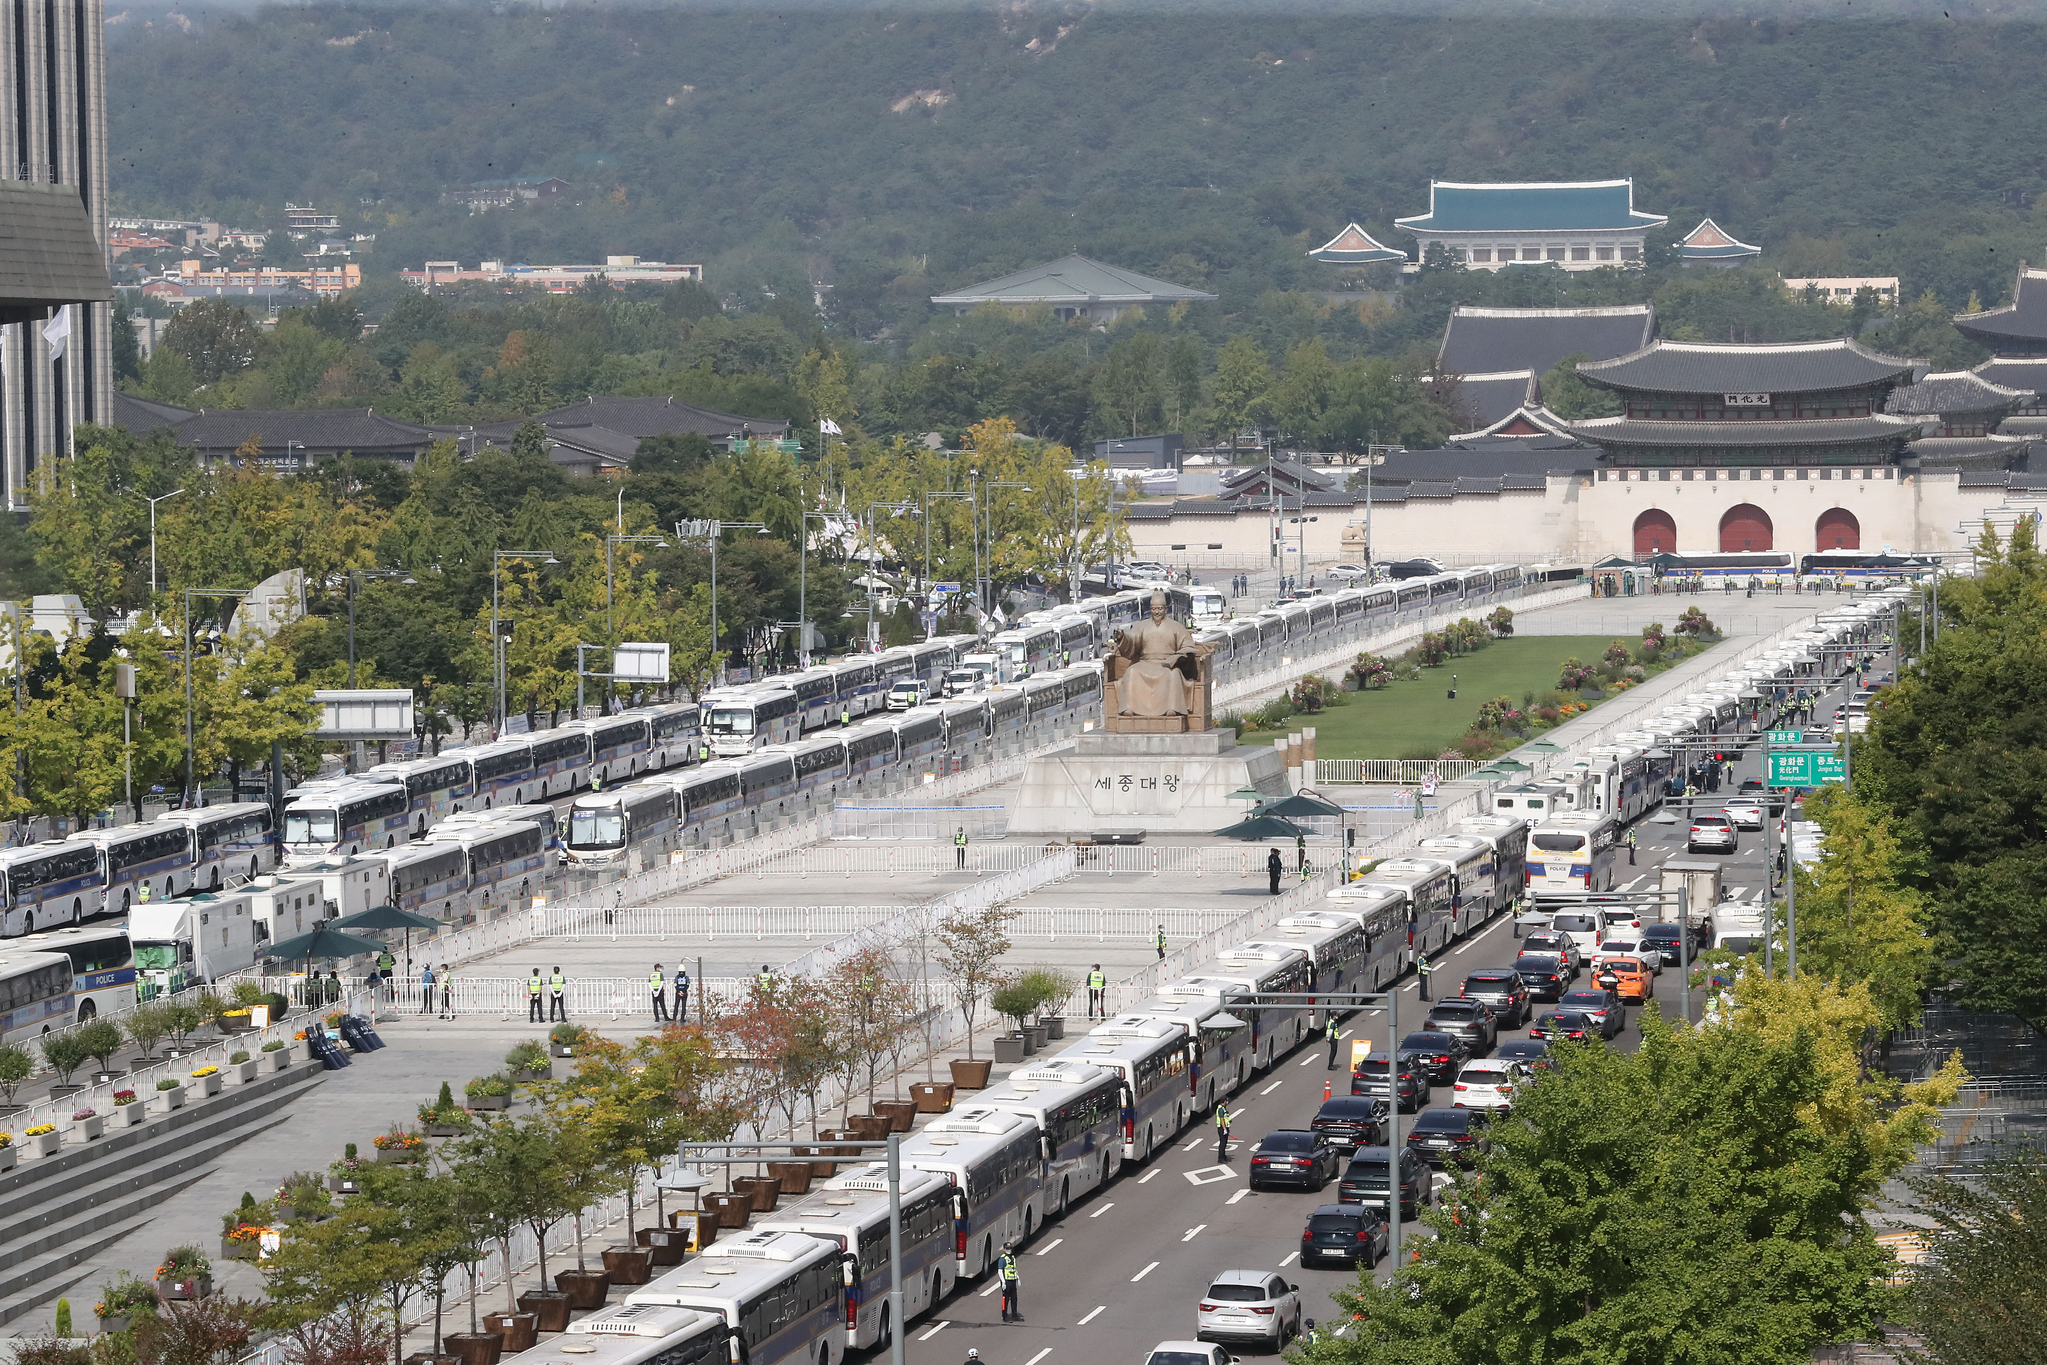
431	879
650	1334
35	994
141	861
619	746
992	1161
50	884
1381	912
781	1293
1078	1112
561	760
352	819
851	1211
607	828
1221	1041
747	718
1573	854
1472	889
102	965
505	859
502	766
231	840
1335	945
674	732
435	788
1429	886
1152	1059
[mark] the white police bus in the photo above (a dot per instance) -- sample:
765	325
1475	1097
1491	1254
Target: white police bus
781	1293
366	816
650	1334
1078	1111
748	718
1152	1059
50	884
435	788
607	828
35	994
993	1162
102	965
141	861
233	840
851	1211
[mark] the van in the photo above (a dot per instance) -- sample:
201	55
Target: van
1584	927
905	693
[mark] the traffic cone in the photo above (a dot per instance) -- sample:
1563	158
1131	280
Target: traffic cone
1325	1087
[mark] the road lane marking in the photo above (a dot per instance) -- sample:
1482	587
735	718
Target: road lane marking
1308	1060
1235	1197
1290	1258
1147	1175
1192	1145
1090	1317
1039	1356
1103	1209
1144	1272
1635	883
934	1330
1194	1232
993	1285
1046	1250
1276	1084
1209	1175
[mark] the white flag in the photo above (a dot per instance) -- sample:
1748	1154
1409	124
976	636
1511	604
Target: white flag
57	331
829	427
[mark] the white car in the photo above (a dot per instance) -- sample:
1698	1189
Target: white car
1188	1353
1249	1305
1350	571
1148	568
1632	944
1488	1083
960	681
1745	813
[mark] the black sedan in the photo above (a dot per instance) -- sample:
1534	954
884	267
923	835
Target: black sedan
1348	1233
1412	1085
1547	975
1501	990
1445	1135
1668	940
1443	1055
1532	1053
1294	1156
1351	1121
1471	1020
1601	1004
1576	1025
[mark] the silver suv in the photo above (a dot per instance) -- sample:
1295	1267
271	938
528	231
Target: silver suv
1714	831
1249	1305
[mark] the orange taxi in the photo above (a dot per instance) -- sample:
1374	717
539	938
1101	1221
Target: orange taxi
1635	980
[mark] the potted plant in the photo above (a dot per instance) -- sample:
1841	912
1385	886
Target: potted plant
120	1302
562	1039
128	1105
1014	1001
343	1177
488	1092
529	1062
400	1146
181	1018
1054	989
583	1178
86	1124
245	1068
242	1229
443	1117
970	945
184	1274
208	1078
279	1053
16	1066
65	1054
100	1039
7	1153
173	1094
42	1139
302	1196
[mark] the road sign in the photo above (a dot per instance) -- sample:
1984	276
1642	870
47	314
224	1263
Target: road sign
1792	769
1829	768
1786	736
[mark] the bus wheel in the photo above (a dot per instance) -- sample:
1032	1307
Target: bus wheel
125	895
881	1333
1064	1194
937	1289
28	926
216	879
87	1010
255	869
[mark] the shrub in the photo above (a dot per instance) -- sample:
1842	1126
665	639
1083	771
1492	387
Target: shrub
65	1054
1230	720
238	1058
305	1192
16	1066
184	1263
247	993
1433	649
181	1017
51	1351
1574	675
274	1045
1696	624
1314	692
497	1085
1370	671
1652	634
125	1295
166	1084
1501	621
1051	987
565	1035
146	1024
1617	655
527	1056
1014	1001
63	1317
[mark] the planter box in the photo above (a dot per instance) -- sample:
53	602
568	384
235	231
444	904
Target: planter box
86	1130
173	1098
8	1156
664	1245
279	1060
932	1097
245	1072
480	1103
131	1115
230	1028
1035	1037
1055	1026
398	1156
197	1288
549	1307
970	1075
209	1085
870	1127
65	1091
707	1225
763	1191
45	1144
231	1250
475	1348
586	1288
518	1330
338	1184
104	1077
731	1209
628	1265
792	1177
118	1322
429	1358
560	1050
531	1074
899	1113
1008	1051
443	1130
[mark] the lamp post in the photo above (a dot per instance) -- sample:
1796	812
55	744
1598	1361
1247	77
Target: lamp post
713	531
191	779
152	533
497	640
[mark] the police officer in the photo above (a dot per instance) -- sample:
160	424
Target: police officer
1158	939
1422	972
1631	848
703	753
447	991
142	893
1097	992
1273	868
959	848
1006	1266
766	978
1329	1027
973	1355
681	992
845	716
617	900
533	998
1222	1130
556	984
1300	851
658	984
385	962
426	988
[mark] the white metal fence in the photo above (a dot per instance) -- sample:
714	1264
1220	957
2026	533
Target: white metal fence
1405	772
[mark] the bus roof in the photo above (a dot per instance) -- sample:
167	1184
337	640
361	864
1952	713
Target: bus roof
646	1320
15	962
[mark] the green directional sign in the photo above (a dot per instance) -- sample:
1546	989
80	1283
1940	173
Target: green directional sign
1793	769
1829	768
1786	736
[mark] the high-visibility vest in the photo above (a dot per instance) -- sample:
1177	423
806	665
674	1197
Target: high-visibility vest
656	981
557	982
1096	981
1009	1267
385	962
960	839
533	985
142	893
1161	938
1222	1115
1330	1027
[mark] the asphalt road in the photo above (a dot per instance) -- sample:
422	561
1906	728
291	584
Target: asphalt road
1122	1270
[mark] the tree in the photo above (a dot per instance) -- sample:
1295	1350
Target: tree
1979	1296
217	338
328	1281
1242	377
1130	384
127	350
1570	397
1859	917
969	945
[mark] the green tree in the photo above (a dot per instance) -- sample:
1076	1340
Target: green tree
1570	397
217	338
1860	919
1130	385
1242	377
1307	382
1979	1297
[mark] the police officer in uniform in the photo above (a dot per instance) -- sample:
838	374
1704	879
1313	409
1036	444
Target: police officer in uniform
556	984
1159	941
1012	1307
1330	1028
1097	992
658	983
959	848
1222	1130
1422	972
426	987
447	991
385	962
533	998
1273	868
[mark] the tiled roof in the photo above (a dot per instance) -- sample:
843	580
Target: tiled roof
1072	279
1711	242
1491	340
1952	391
48	256
145	414
1486	398
1355	246
2024	318
644	417
596	440
2023	426
316	429
1530	426
1456	206
1736	435
2004	451
1796	367
2016	372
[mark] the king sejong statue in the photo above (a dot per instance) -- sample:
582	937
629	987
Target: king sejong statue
1161	651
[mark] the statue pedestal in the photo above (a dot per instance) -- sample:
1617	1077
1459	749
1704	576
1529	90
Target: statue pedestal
1162	783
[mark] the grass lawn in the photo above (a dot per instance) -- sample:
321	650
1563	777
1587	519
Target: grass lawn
1407	716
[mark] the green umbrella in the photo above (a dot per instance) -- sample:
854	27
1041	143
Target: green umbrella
1512	765
1543	746
389	917
324	943
1485	772
1302	803
1262	826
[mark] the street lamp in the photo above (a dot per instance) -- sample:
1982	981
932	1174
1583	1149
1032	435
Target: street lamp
152	533
191	780
288	446
497	640
714	531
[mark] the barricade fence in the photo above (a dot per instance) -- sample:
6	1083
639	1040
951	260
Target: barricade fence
1405	772
918	821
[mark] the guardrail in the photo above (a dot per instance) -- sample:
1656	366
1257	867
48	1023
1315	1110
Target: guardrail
1404	772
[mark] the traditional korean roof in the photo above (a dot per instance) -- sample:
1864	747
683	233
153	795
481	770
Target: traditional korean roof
1493	340
644	417
1795	367
2015	372
1952	391
1710	242
1989	452
1558	206
1735	435
1072	280
2023	319
1527	421
1355	246
1486	398
1514	464
146	414
223	431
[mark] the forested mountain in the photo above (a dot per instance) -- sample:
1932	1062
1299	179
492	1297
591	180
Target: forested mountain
890	154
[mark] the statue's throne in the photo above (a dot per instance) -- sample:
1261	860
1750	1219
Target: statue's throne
1200	693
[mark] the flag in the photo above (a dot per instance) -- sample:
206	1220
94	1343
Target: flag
829	427
57	331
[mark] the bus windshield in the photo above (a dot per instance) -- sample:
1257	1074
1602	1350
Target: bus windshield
310	827
731	720
596	829
1559	843
160	956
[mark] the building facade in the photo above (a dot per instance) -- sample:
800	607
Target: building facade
1578	225
53	132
